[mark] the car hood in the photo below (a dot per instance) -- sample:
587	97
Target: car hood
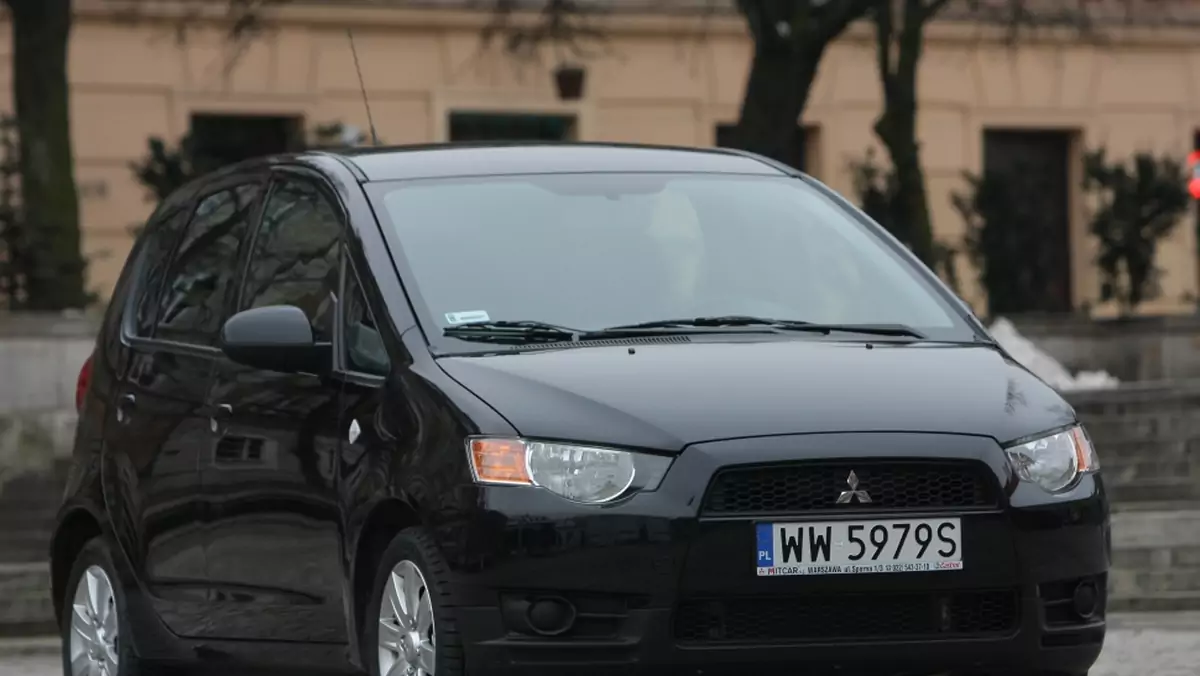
667	396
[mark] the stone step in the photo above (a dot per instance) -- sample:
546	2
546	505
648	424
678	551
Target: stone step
1130	583
1156	558
1122	444
46	645
1126	470
39	645
28	515
1159	447
1156	603
26	545
1155	506
1155	530
1153	420
1156	489
34	483
25	605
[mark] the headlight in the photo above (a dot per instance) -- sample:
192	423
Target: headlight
579	473
1055	461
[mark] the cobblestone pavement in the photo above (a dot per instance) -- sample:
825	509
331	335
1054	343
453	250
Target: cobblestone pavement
1158	644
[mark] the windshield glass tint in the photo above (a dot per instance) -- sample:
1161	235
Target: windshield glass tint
590	251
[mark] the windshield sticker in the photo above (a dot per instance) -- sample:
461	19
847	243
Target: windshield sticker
456	318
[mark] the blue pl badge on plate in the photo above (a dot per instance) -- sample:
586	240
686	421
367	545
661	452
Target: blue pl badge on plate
766	547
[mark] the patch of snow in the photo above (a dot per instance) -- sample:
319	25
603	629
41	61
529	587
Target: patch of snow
1044	366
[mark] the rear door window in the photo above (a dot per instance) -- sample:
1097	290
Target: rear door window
192	303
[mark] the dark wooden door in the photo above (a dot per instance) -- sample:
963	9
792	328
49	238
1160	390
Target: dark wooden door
1033	168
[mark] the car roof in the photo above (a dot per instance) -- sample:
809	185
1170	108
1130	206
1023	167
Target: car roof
501	159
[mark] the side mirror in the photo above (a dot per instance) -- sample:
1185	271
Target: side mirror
275	338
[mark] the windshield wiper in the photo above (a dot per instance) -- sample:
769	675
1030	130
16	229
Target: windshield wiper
524	332
517	332
527	331
719	321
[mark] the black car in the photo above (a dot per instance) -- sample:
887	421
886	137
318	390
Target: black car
570	409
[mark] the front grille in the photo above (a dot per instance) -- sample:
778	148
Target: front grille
814	486
848	617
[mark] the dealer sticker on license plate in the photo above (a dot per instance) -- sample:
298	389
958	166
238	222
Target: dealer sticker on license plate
841	547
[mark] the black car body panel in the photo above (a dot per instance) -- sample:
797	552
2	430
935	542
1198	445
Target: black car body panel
584	394
247	509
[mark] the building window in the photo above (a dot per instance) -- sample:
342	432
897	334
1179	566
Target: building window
478	126
227	139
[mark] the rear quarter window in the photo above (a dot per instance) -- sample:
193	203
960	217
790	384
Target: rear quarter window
152	257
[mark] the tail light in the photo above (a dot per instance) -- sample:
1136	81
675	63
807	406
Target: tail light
81	385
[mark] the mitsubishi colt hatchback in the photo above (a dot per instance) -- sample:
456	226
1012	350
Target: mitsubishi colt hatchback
562	410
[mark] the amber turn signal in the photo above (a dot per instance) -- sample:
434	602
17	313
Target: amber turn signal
499	461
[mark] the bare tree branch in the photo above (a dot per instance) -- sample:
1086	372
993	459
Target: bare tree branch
563	24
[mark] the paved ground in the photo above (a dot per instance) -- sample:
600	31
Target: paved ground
1158	644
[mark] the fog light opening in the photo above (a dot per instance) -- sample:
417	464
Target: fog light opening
551	615
1086	599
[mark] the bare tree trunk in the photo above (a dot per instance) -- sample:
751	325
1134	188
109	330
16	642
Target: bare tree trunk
54	278
899	50
771	112
790	38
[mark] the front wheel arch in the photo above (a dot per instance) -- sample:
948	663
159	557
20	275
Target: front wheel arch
385	521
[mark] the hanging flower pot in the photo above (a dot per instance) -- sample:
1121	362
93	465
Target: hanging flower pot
569	82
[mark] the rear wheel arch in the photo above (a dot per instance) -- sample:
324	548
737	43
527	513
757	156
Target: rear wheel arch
385	521
74	531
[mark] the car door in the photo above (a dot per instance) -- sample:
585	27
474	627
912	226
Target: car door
273	547
159	429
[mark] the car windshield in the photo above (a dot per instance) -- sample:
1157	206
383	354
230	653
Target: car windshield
591	251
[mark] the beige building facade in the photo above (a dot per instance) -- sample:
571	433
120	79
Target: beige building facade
667	80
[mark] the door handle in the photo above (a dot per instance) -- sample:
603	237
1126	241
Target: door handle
220	414
125	405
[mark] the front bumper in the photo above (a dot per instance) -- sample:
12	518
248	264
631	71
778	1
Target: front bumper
657	588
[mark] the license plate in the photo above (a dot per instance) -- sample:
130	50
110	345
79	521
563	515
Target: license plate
847	547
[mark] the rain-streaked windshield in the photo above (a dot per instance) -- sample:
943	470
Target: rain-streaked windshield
597	250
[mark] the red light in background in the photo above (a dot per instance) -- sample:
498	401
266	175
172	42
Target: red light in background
1194	182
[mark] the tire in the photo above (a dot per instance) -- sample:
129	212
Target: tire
80	630
412	550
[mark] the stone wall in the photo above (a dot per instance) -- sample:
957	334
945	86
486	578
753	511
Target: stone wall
1148	437
40	358
34	450
1139	349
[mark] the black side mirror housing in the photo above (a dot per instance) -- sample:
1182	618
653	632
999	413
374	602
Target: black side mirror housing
275	338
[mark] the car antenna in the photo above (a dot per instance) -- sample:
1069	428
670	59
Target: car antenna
362	86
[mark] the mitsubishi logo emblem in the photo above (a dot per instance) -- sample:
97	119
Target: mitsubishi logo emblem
849	496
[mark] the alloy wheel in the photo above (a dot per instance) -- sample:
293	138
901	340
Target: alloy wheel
94	639
406	627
